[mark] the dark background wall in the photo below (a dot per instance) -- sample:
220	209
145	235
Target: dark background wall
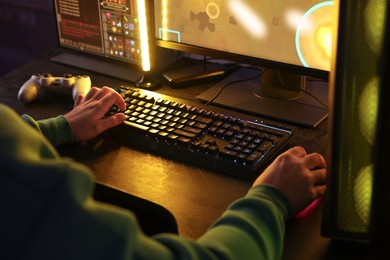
27	29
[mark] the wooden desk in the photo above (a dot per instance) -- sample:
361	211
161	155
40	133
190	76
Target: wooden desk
195	196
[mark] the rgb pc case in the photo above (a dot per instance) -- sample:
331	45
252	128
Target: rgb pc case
358	197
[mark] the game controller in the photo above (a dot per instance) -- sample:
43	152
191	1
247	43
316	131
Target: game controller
39	83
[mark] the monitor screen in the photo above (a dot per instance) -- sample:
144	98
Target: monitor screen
107	28
288	36
294	32
104	36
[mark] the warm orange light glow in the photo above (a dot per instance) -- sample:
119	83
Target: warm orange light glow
143	28
324	39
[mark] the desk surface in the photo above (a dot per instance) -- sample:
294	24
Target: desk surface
195	196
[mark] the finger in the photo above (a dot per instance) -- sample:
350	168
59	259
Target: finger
79	99
319	191
112	97
298	151
119	101
111	121
92	93
102	93
319	176
315	161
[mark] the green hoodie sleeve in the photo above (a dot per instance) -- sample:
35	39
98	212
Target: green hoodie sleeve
57	130
48	211
251	228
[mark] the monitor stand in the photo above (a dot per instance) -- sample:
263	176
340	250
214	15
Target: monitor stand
250	97
148	81
120	70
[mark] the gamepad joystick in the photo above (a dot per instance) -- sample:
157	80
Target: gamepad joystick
39	83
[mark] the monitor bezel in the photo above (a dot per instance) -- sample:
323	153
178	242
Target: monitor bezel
243	59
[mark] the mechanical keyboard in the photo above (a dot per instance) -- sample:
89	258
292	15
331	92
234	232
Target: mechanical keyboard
195	134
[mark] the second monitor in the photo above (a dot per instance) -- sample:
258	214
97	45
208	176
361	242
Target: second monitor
292	41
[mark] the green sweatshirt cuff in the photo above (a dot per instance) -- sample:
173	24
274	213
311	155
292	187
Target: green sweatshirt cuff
275	195
56	129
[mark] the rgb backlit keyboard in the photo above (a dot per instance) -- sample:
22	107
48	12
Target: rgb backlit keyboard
194	134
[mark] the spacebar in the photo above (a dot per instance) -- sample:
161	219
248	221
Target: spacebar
135	125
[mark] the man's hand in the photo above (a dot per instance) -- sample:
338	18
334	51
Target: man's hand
300	176
87	119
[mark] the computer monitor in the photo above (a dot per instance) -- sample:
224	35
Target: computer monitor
106	36
291	40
